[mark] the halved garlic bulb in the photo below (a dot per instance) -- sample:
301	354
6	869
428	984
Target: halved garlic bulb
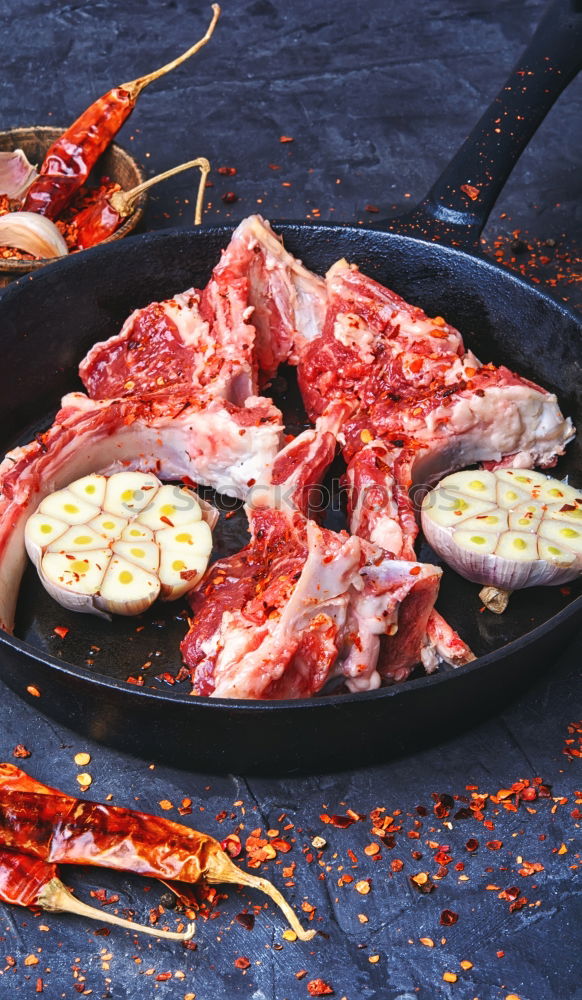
116	543
508	529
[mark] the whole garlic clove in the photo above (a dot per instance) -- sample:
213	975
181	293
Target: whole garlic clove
33	234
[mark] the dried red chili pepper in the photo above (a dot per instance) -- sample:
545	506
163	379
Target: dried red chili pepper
72	156
43	822
28	881
101	219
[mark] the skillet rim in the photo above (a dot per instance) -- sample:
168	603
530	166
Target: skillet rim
102	681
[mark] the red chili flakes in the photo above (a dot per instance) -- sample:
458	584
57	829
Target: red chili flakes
227	171
471	845
242	962
494	845
258	850
509	894
530	868
371	208
528	793
20	752
422	882
287	138
518	904
448	918
371	850
104	899
341	822
319	988
281	845
471	191
229	197
162	977
247	920
397	865
573	744
61	631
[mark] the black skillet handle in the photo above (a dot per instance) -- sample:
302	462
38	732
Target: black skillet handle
458	205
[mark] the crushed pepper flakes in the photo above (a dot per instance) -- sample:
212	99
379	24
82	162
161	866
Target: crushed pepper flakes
422	882
20	752
319	988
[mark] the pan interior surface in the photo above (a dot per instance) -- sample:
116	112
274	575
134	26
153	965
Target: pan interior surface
50	321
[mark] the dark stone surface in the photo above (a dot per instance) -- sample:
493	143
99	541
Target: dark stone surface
377	98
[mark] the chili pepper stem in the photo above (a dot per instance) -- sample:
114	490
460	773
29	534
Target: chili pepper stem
122	201
135	87
56	898
495	599
221	869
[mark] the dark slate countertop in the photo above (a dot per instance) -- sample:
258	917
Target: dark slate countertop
376	98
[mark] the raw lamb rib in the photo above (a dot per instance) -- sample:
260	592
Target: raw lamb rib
300	605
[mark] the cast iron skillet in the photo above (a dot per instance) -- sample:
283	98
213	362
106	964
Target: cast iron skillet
431	257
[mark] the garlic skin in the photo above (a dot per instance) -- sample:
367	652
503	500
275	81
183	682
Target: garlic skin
112	545
33	234
16	174
508	529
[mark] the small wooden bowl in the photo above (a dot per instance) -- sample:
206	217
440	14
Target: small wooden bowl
115	163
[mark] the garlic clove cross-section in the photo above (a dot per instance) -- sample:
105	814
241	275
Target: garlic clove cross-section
527	531
113	544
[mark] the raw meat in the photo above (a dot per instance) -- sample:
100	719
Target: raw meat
302	604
